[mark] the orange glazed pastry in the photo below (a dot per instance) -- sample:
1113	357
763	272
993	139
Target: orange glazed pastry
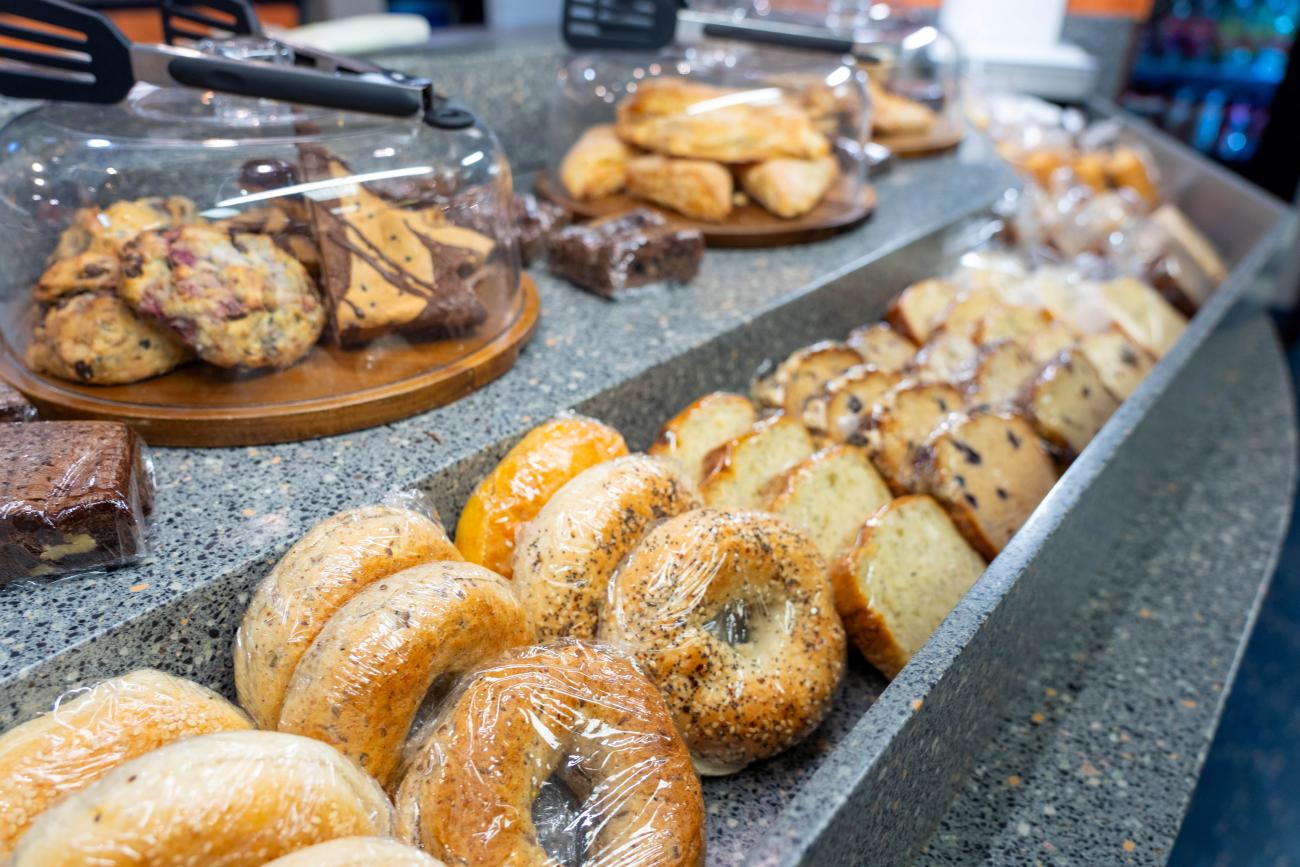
515	491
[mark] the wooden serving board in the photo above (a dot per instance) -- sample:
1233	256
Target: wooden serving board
332	391
748	226
946	134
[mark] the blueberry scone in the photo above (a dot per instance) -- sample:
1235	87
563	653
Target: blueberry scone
98	340
236	300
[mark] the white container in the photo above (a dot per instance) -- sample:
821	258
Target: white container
1023	23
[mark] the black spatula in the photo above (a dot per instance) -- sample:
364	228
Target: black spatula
194	20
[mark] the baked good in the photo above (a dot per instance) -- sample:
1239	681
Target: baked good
789	187
611	254
990	472
576	710
85	737
1180	261
735	473
1051	341
536	221
1001	373
1068	402
848	400
238	799
906	570
106	230
1147	318
596	165
804	374
236	300
288	223
894	115
882	346
360	683
731	614
828	496
332	563
567	554
964	314
358	852
899	425
948	356
1077	305
518	487
77	495
699	189
709	422
13	406
98	340
386	269
92	271
1121	363
1127	168
1011	323
919	308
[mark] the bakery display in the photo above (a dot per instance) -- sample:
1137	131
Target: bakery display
77	495
612	254
582	712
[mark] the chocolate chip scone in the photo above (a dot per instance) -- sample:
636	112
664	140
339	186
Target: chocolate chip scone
237	300
96	339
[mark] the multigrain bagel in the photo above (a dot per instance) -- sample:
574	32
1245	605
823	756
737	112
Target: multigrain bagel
84	738
365	676
231	799
358	852
565	556
324	569
733	617
574	709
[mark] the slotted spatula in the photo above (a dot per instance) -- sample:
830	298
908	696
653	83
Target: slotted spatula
195	20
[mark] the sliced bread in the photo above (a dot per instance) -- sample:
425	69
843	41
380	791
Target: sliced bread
900	425
735	473
966	312
1001	374
882	347
1051	341
948	356
1143	314
1011	323
919	308
907	569
828	496
803	374
1121	362
1068	402
990	471
847	402
707	423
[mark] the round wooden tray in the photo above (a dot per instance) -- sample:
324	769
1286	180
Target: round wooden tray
748	226
332	391
946	134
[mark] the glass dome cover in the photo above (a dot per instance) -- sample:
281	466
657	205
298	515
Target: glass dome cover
195	254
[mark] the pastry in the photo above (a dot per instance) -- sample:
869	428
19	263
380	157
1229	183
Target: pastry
900	424
236	300
919	309
735	473
893	115
1068	402
847	402
698	189
1121	363
1126	167
732	615
1048	343
76	496
881	346
908	568
804	374
91	271
1002	371
519	486
788	187
828	496
709	422
596	165
948	356
612	254
107	230
98	340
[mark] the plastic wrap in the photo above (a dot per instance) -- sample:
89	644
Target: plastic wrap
333	562
519	486
576	711
358	852
361	683
92	731
613	254
536	222
731	614
234	799
568	553
74	496
1174	257
13	406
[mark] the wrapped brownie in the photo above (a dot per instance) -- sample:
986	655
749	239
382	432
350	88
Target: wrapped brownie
609	255
74	495
13	406
537	221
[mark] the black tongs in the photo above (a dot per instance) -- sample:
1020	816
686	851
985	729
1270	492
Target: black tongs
74	54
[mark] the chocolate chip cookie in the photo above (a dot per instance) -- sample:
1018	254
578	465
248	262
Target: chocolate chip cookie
94	338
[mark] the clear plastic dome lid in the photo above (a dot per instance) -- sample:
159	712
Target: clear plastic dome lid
187	254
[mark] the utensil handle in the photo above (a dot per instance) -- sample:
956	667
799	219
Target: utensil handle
808	42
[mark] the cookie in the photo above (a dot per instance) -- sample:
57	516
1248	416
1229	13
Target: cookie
85	272
98	340
237	300
107	230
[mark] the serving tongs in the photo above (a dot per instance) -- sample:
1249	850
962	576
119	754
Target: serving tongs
56	50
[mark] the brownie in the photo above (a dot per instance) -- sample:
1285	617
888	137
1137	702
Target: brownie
536	221
76	496
615	253
13	406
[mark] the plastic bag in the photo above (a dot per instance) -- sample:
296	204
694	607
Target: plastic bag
91	731
77	496
233	799
613	254
358	852
732	616
333	562
576	711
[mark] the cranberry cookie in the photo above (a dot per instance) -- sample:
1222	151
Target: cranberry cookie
237	299
96	339
106	230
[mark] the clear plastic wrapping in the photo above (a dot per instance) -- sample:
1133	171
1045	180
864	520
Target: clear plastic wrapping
13	406
333	562
92	731
732	615
614	254
362	682
358	852
580	713
234	799
74	496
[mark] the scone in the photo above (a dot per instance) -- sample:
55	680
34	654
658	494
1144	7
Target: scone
236	300
788	187
107	230
698	189
893	115
596	165
98	340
